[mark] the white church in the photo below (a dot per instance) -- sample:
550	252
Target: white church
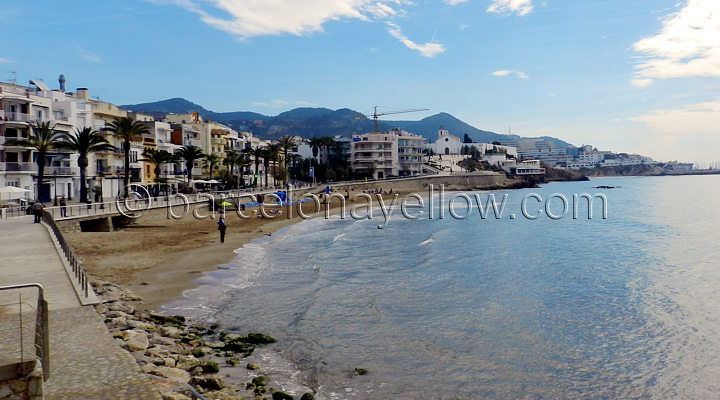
446	143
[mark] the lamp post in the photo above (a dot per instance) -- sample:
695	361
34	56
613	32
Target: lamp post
55	203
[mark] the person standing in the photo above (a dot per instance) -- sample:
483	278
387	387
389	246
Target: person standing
37	210
222	227
63	207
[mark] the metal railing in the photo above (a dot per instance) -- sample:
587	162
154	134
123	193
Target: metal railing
24	328
77	269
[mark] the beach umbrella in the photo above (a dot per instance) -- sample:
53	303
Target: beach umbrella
225	204
212	181
12	192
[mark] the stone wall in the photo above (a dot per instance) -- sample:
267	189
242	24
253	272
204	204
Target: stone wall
451	182
29	387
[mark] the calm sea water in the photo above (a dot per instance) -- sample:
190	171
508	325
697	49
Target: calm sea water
623	307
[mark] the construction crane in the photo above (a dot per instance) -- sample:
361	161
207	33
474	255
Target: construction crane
375	115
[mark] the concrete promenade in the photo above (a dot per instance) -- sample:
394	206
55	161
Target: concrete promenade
85	361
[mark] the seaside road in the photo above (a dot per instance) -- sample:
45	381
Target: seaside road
85	361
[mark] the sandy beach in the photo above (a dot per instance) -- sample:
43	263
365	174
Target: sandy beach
158	258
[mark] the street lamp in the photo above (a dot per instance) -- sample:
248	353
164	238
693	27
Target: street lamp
55	203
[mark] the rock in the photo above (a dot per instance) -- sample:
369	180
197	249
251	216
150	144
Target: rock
157	351
130	297
178	320
209	382
210	367
120	306
171	332
187	363
116	323
239	347
115	314
361	371
174	374
35	387
161	340
307	396
169	362
135	340
252	366
259	338
147	327
214	344
232	361
198	353
281	396
174	396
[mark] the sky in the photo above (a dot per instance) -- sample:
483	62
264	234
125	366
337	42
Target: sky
636	76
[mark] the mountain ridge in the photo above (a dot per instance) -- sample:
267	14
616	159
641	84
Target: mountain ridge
309	122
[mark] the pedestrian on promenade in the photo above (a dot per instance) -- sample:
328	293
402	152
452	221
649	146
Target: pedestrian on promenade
37	210
63	207
221	228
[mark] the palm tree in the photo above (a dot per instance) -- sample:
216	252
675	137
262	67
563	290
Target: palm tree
327	142
230	160
315	145
211	161
272	152
286	143
242	160
84	141
257	153
189	154
157	158
43	138
127	129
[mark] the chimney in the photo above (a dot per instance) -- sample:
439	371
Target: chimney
61	79
81	93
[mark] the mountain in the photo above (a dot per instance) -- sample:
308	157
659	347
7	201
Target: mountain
310	122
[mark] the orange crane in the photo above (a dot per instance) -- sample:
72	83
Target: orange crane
375	115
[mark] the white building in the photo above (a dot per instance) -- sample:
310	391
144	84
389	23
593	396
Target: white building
446	143
387	154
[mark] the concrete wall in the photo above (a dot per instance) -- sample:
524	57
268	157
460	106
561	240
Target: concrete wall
451	182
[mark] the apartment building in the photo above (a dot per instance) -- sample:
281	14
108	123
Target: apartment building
387	154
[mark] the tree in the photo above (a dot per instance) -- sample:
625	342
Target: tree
127	129
272	153
315	145
212	161
84	141
466	139
157	158
189	154
43	138
286	144
257	153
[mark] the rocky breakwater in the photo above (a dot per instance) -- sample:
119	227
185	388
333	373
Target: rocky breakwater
177	356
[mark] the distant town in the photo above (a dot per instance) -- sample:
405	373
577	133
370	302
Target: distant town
229	157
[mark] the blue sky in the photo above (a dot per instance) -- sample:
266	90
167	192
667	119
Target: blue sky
636	76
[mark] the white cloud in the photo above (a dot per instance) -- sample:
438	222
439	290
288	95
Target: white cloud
641	83
686	46
271	104
248	18
4	60
455	2
87	56
426	50
519	7
701	118
507	72
304	103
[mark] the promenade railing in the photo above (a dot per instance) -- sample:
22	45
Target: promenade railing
77	269
24	330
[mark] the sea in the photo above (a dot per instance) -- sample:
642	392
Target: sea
536	303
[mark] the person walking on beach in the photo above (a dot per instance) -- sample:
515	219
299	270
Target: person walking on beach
63	207
37	210
221	228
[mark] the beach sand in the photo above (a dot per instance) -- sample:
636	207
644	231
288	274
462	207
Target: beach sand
158	258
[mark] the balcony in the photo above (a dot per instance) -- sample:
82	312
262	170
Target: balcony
18	167
191	142
72	171
16	117
219	141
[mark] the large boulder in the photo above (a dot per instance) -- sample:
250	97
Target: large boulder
135	340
